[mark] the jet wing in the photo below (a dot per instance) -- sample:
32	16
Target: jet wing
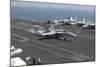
66	33
50	33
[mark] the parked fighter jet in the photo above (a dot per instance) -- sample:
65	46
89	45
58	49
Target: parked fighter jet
55	33
86	24
70	20
89	26
81	23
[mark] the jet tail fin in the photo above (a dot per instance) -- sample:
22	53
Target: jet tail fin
52	27
84	20
71	19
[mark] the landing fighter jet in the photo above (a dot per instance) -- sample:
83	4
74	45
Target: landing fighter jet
54	33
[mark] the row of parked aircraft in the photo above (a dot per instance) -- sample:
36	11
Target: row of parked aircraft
68	20
71	21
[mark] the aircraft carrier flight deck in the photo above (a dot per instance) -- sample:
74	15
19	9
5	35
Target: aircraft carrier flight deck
51	51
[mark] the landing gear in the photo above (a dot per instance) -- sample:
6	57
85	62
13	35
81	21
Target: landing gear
62	38
65	39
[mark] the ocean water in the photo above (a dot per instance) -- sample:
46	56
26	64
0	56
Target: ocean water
50	11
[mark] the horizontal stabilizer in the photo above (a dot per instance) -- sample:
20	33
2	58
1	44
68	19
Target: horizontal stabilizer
72	34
